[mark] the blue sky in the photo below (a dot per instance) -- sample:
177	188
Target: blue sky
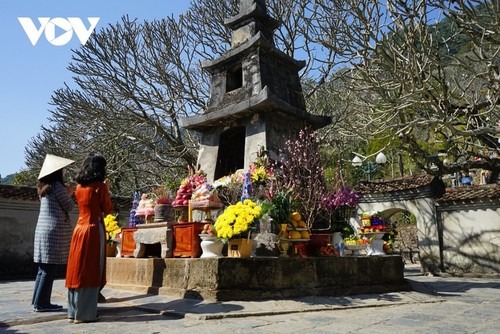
30	74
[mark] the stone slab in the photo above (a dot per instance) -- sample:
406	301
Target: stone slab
154	233
225	279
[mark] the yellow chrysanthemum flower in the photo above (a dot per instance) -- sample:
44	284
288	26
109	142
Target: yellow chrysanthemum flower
112	227
237	219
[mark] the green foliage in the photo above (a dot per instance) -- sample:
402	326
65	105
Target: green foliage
343	227
8	179
280	205
27	178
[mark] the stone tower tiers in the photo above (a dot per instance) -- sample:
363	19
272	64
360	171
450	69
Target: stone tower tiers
255	97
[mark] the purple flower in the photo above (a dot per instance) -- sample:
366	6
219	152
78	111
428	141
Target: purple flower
343	197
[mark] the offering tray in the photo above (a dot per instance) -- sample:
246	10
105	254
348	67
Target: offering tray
297	229
298	240
356	248
210	205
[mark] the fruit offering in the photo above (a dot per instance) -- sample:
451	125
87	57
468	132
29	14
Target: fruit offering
187	187
296	220
372	229
356	240
388	247
183	195
389	237
328	250
297	228
205	196
209	229
294	235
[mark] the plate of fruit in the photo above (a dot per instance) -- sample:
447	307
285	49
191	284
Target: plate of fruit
355	242
328	250
356	247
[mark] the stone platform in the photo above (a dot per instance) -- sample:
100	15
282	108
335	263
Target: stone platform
225	279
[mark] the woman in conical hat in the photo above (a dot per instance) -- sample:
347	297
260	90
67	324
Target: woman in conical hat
52	164
53	230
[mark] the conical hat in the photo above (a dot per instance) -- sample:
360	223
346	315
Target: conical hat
53	163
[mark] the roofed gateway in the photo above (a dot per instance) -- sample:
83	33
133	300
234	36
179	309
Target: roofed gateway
256	97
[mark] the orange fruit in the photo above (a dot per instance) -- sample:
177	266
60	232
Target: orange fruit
301	224
304	235
294	235
296	216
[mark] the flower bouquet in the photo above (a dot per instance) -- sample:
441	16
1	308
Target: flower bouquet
237	220
261	170
339	204
345	197
112	228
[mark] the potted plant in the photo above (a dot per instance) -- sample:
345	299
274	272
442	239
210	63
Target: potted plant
277	209
164	210
234	226
112	229
279	206
340	204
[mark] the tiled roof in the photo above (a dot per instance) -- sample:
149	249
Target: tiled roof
416	181
487	191
30	194
397	184
16	192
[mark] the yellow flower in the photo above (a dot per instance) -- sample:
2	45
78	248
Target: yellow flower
259	174
112	227
237	219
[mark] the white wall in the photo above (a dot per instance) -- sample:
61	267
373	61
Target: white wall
456	238
471	240
17	229
18	220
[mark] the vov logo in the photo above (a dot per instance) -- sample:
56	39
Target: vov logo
66	25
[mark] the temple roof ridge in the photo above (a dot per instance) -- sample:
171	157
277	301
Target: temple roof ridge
254	11
263	100
256	41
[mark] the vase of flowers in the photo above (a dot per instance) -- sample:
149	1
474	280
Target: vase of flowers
112	229
236	222
241	247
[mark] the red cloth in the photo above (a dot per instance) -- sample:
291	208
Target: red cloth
83	269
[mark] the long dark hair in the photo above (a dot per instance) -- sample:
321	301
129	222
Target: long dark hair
46	183
93	169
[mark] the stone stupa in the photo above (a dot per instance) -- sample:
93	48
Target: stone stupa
256	97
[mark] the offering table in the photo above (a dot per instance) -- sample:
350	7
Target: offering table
154	233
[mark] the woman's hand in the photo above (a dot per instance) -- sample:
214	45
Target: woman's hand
71	188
